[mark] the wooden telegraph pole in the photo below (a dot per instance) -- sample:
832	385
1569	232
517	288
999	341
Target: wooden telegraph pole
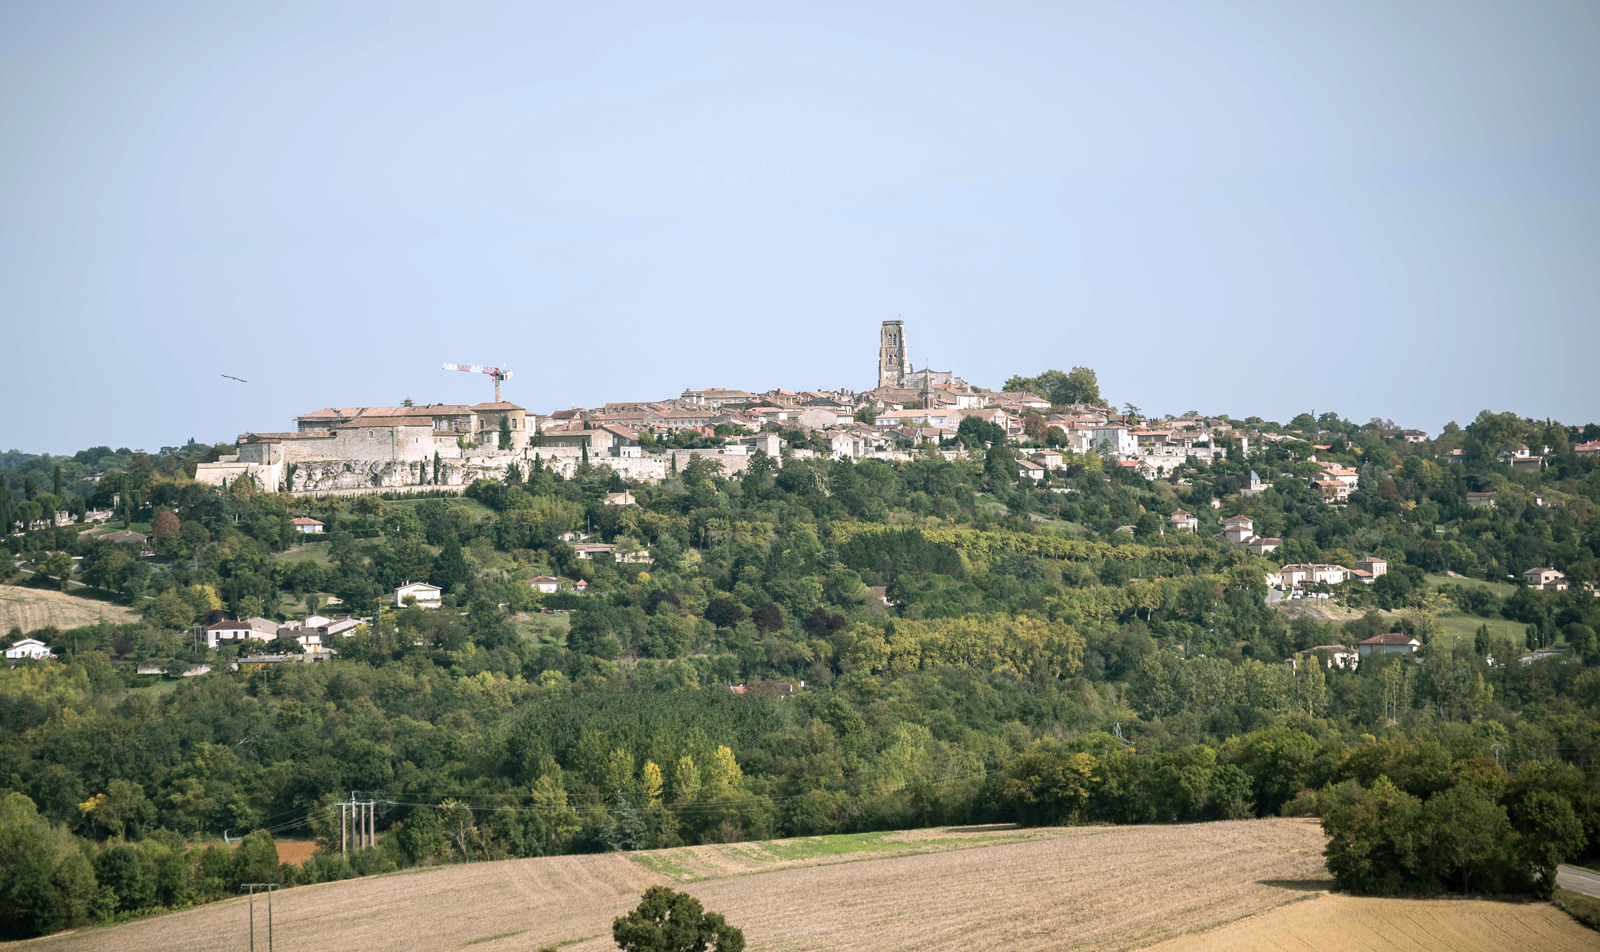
269	887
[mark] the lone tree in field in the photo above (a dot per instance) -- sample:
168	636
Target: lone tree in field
668	921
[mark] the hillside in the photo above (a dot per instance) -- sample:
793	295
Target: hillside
34	608
999	887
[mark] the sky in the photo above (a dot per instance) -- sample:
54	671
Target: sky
1377	208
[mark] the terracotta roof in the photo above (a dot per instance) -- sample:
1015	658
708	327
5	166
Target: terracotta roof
1391	638
497	406
303	521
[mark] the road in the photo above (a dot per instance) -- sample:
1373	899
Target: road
1579	880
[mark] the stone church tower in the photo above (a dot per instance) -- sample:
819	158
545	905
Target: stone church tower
894	362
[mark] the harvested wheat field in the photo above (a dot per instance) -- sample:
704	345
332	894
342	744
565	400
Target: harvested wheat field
1334	923
30	608
996	888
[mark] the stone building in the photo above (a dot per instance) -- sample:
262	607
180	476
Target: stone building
894	364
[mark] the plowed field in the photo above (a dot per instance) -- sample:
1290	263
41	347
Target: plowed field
1109	888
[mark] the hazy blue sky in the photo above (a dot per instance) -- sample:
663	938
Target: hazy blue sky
1253	208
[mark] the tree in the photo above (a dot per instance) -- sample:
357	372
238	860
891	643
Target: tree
59	567
1079	386
724	613
767	618
45	878
999	465
867	415
668	921
165	524
450	568
976	431
505	431
1551	834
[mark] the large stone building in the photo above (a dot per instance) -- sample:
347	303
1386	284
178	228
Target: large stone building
894	364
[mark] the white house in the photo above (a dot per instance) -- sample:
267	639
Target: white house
1049	459
1373	566
29	648
1338	656
1261	546
1184	521
261	629
1029	469
1296	574
1548	580
1113	440
425	595
545	584
307	526
1239	529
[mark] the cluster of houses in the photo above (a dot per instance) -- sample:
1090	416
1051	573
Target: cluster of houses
314	634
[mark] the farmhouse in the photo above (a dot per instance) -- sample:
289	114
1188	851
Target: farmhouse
307	526
1373	566
545	583
1391	643
1547	580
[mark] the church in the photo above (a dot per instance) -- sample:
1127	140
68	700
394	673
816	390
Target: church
894	364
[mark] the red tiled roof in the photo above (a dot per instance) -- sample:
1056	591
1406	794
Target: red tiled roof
1391	638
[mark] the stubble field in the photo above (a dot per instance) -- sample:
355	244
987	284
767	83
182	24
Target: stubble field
31	608
1097	888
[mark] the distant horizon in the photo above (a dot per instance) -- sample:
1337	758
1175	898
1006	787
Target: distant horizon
1257	208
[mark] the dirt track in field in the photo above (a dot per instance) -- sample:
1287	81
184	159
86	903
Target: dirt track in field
32	608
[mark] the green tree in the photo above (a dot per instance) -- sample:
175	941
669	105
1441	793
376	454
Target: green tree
668	921
45	881
450	568
975	431
1551	833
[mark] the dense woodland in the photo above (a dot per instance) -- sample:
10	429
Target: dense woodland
971	650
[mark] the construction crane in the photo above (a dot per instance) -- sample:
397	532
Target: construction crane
494	372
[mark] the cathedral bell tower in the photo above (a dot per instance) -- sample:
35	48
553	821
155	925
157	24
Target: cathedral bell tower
893	363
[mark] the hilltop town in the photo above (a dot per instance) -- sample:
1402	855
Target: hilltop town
910	410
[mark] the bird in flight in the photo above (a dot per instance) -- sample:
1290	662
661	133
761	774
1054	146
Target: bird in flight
232	377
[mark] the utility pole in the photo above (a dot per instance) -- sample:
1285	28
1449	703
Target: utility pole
357	823
269	887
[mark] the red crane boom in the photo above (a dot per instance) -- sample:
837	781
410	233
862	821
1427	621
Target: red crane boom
495	372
